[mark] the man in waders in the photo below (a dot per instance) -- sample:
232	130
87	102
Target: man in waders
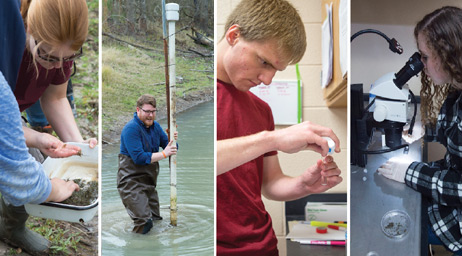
139	164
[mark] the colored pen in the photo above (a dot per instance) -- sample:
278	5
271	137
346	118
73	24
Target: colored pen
325	224
321	242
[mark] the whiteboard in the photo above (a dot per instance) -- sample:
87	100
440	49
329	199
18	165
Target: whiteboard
284	98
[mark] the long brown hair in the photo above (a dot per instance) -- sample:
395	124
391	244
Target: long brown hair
442	30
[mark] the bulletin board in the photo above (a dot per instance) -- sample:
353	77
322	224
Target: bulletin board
284	98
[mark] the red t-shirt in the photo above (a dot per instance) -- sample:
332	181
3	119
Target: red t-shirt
243	224
29	87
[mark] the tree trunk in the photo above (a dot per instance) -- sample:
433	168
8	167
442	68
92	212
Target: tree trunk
116	11
130	7
201	14
142	21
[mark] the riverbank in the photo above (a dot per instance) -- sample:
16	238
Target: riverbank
112	134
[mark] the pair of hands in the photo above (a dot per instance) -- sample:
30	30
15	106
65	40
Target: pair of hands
325	174
395	168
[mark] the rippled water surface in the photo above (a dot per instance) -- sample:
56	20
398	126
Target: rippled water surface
194	234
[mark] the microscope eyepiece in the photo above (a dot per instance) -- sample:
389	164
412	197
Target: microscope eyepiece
413	67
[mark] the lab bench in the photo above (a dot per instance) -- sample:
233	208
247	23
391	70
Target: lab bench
374	198
295	210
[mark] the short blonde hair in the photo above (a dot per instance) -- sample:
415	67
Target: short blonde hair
262	20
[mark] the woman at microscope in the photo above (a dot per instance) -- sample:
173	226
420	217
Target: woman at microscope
439	40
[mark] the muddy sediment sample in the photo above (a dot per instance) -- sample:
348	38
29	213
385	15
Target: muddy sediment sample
87	194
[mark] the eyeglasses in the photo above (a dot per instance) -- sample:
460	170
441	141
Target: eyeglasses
51	59
149	112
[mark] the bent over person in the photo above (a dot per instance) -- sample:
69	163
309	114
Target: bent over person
261	38
139	164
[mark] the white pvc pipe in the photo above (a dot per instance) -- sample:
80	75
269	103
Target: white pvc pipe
172	13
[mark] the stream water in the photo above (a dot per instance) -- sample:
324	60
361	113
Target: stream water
194	234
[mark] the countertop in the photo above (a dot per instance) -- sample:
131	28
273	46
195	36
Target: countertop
372	196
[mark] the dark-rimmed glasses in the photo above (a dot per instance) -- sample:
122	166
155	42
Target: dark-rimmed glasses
149	112
53	59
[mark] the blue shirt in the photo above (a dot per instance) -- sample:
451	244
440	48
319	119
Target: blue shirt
12	40
139	142
22	179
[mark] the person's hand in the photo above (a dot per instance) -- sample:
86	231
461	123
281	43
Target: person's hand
92	142
305	136
54	147
417	133
170	149
395	168
61	190
175	135
313	177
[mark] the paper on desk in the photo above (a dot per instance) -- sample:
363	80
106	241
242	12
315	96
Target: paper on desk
343	35
327	48
302	231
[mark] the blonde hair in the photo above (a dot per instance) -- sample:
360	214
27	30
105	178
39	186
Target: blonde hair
271	19
56	22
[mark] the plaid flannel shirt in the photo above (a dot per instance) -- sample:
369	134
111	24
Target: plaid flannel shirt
441	181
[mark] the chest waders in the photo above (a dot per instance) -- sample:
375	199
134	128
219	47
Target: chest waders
137	188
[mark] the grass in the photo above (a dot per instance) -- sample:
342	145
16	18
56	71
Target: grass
85	81
62	241
129	72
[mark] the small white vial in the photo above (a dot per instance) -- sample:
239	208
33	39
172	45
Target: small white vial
331	145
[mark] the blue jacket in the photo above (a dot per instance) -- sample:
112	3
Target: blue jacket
22	179
139	142
12	40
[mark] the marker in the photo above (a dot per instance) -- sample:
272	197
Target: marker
325	224
321	242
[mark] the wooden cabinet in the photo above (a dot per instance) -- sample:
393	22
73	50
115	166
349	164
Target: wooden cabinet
335	94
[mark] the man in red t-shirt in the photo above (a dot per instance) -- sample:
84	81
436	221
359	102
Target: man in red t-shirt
261	37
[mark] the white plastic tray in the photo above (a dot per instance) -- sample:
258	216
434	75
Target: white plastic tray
65	212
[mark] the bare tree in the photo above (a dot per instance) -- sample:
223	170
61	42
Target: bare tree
142	19
130	8
201	15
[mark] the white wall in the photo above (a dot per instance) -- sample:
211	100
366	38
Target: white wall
370	56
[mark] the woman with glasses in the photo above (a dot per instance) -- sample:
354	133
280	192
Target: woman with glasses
22	179
55	33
